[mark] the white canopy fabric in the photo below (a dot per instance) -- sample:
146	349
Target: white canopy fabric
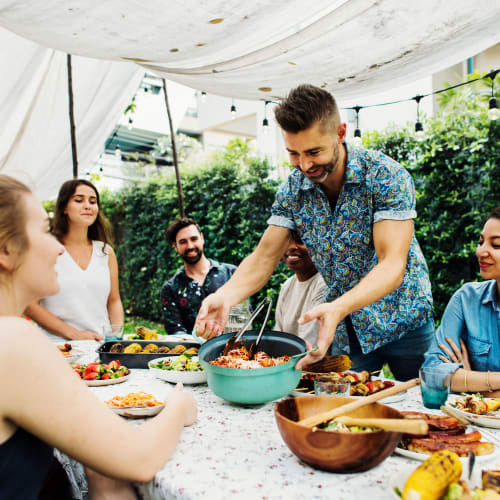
34	131
261	49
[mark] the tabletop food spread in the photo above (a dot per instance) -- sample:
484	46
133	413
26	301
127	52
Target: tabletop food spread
238	451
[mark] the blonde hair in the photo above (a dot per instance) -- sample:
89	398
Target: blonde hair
13	214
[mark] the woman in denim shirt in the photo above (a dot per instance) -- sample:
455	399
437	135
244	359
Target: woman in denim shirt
467	342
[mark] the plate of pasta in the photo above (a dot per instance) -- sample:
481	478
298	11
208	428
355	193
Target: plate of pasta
136	405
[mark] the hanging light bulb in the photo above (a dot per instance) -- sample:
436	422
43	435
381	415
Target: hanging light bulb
233	111
419	128
493	112
357	133
419	131
203	96
130	121
118	153
357	138
265	121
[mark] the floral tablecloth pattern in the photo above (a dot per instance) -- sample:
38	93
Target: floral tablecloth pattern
236	452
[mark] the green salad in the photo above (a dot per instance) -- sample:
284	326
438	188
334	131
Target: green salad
335	426
182	363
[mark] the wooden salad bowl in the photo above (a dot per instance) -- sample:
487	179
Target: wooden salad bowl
335	451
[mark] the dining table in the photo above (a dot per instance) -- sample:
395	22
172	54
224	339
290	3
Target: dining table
235	451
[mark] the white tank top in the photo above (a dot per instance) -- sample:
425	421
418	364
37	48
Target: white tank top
83	297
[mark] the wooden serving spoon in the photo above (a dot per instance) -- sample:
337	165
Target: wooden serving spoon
314	420
419	427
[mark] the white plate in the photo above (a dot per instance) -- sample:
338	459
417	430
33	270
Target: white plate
482	420
178	376
75	354
423	456
137	411
109	381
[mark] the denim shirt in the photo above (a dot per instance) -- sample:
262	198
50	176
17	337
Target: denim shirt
341	246
473	315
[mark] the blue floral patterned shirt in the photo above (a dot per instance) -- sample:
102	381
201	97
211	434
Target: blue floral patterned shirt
341	243
181	296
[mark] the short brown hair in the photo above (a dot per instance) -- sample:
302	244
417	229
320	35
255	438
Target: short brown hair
304	106
100	230
13	214
178	224
494	214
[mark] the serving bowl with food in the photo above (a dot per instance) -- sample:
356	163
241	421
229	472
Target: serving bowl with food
138	353
185	368
238	381
135	405
328	446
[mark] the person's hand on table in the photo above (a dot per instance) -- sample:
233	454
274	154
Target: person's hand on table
328	317
85	335
185	400
455	354
212	316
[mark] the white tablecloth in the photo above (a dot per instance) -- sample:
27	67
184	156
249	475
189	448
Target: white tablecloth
236	452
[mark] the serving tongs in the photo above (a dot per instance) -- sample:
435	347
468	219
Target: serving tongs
235	342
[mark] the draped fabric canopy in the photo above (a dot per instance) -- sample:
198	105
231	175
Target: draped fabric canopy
249	50
261	49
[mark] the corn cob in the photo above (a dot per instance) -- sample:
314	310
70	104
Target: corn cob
430	480
336	363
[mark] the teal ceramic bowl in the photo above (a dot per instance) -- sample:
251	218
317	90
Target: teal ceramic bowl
254	386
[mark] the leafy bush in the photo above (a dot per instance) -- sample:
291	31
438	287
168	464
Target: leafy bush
456	170
230	197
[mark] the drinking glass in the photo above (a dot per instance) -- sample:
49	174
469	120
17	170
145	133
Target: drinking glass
435	387
237	317
331	386
112	332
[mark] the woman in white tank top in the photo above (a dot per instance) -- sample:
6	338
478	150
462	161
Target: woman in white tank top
89	297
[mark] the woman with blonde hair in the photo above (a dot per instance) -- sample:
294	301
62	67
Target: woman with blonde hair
89	298
45	405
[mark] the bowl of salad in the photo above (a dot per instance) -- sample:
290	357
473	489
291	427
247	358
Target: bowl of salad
184	368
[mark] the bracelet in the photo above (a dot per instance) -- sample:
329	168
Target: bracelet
488	385
465	381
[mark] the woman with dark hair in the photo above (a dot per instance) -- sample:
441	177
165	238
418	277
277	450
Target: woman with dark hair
89	298
45	405
467	342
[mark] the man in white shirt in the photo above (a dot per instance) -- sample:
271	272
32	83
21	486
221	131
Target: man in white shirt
299	293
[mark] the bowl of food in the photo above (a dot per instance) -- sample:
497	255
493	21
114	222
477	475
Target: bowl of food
256	382
344	450
184	368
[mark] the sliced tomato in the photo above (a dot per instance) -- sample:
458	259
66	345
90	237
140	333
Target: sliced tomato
78	373
90	376
105	376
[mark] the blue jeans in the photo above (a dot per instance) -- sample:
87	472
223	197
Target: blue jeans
404	356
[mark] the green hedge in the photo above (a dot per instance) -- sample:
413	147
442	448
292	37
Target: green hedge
230	198
457	176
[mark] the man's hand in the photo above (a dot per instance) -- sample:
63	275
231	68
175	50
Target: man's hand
212	316
328	317
85	335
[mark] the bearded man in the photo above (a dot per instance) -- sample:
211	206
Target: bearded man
181	295
354	210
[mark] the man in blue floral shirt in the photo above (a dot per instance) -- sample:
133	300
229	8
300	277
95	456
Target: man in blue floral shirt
181	296
354	210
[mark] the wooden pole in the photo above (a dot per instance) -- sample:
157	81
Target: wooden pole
174	152
72	118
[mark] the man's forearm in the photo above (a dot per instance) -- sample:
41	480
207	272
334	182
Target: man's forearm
383	279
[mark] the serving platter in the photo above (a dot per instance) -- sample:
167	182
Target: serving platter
481	420
424	456
109	381
175	376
